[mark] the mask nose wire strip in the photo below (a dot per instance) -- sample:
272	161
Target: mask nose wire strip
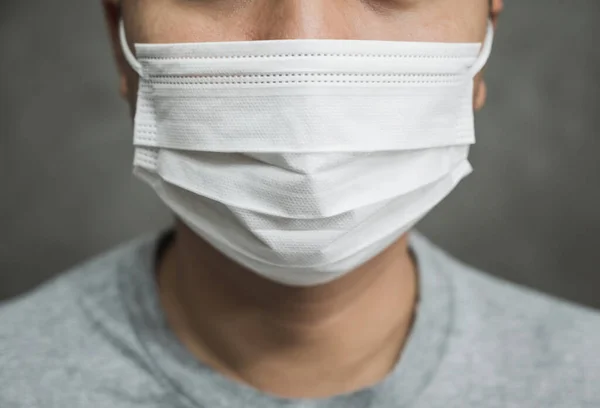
474	70
133	62
486	50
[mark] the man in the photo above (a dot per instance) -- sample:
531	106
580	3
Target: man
290	278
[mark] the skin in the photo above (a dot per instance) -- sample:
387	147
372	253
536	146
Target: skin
291	342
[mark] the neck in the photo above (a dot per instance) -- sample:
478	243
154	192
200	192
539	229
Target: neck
328	340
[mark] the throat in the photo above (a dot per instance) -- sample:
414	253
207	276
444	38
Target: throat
290	342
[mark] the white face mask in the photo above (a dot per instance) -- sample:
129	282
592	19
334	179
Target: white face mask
303	159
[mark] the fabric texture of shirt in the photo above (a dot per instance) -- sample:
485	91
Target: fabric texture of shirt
96	337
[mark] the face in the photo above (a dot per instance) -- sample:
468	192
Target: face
169	21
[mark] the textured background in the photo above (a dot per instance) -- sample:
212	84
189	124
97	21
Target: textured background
530	212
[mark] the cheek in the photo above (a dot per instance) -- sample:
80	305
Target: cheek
175	21
164	21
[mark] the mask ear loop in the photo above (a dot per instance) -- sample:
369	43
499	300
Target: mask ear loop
486	51
131	59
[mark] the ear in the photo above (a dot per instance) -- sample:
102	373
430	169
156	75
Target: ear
480	86
112	15
497	7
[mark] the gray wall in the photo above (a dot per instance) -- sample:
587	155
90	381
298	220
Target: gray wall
530	212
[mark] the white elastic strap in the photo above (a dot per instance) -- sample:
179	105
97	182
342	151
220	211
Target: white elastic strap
131	59
486	50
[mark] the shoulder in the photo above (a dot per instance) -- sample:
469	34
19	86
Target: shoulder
54	336
521	339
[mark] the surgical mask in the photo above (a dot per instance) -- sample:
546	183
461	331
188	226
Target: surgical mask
303	159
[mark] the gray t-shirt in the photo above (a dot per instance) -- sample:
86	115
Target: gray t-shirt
96	338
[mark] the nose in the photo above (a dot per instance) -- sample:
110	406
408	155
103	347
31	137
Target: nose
307	19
